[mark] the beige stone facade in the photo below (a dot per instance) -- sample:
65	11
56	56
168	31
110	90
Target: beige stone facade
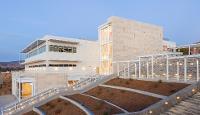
122	39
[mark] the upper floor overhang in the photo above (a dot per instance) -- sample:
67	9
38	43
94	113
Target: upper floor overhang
33	45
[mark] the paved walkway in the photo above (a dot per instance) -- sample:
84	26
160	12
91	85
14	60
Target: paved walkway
7	99
135	90
125	111
190	106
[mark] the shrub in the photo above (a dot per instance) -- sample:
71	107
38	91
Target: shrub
130	79
66	104
98	105
173	91
98	92
112	94
122	91
59	100
160	81
58	111
127	83
156	85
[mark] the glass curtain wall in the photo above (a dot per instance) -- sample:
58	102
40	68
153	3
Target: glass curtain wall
106	50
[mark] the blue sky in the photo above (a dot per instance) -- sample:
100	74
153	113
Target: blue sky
22	21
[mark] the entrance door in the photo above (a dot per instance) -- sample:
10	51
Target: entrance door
26	90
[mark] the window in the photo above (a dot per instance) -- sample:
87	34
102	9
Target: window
36	51
41	65
66	49
62	65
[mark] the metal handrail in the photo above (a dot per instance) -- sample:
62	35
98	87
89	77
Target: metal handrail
15	107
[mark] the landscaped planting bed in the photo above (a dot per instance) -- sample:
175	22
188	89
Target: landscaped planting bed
31	113
5	88
158	87
130	101
61	107
98	107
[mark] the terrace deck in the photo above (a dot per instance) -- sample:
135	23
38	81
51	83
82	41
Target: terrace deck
129	101
159	87
98	107
31	113
61	107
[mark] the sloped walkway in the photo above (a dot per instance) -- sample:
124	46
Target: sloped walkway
190	106
6	100
137	91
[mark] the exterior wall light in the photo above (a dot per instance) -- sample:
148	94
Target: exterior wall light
83	68
190	75
180	64
164	74
166	103
177	97
191	64
70	68
193	90
150	111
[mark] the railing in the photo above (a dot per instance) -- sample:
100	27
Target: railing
87	81
163	66
16	107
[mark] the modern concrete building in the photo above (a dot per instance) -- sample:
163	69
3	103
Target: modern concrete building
123	39
53	62
57	61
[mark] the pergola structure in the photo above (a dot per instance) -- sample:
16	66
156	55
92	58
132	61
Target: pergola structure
169	66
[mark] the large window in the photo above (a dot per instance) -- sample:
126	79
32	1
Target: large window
41	65
62	65
36	51
67	49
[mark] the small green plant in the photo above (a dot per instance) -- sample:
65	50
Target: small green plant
122	91
98	105
127	83
130	79
66	104
160	81
156	85
112	94
58	111
105	113
59	100
172	91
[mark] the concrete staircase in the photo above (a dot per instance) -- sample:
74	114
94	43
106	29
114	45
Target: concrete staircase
191	106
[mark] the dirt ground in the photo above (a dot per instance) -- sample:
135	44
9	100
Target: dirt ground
97	106
31	113
130	101
158	87
5	88
61	107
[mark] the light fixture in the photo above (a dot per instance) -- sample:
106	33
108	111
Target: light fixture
177	97
191	64
150	111
70	68
56	68
180	64
193	90
83	68
164	74
166	103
